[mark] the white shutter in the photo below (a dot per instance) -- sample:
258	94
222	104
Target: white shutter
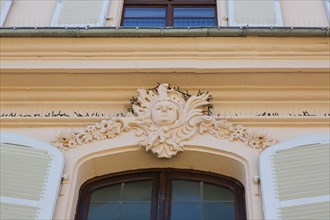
254	13
4	9
31	173
327	8
295	179
77	13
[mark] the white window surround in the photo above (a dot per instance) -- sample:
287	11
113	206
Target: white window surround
4	11
327	8
101	18
271	202
47	201
231	15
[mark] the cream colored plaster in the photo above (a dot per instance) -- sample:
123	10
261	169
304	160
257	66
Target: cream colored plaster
302	13
30	13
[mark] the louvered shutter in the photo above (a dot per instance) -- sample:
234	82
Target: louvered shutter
78	13
295	179
31	172
4	9
254	13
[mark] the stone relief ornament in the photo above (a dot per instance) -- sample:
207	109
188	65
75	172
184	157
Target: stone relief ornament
163	119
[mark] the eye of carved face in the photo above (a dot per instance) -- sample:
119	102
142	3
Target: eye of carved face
164	113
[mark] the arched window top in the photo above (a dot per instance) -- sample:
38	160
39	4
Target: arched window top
162	194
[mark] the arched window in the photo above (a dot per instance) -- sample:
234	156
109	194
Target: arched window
162	194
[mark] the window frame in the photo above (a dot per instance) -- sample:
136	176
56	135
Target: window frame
170	5
161	194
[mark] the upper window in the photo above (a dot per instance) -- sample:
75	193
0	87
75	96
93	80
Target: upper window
176	13
162	194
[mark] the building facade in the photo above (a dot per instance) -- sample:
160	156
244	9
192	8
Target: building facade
165	110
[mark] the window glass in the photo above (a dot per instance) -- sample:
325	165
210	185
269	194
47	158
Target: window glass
190	17
130	200
145	13
145	17
199	200
193	12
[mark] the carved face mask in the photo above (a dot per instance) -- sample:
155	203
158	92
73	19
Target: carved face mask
164	113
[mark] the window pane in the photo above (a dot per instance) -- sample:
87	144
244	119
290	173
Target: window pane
192	17
185	211
135	211
144	22
145	12
193	12
185	191
194	22
218	211
218	203
201	201
131	200
110	193
145	17
217	193
102	211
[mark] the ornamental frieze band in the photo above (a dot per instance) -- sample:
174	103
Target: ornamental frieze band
163	119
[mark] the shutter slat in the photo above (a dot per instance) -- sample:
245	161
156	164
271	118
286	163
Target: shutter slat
310	211
30	178
80	13
254	13
295	179
288	176
13	211
23	171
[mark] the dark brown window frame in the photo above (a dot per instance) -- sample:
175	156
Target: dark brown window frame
169	5
161	195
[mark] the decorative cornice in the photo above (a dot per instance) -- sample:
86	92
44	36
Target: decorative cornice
163	119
